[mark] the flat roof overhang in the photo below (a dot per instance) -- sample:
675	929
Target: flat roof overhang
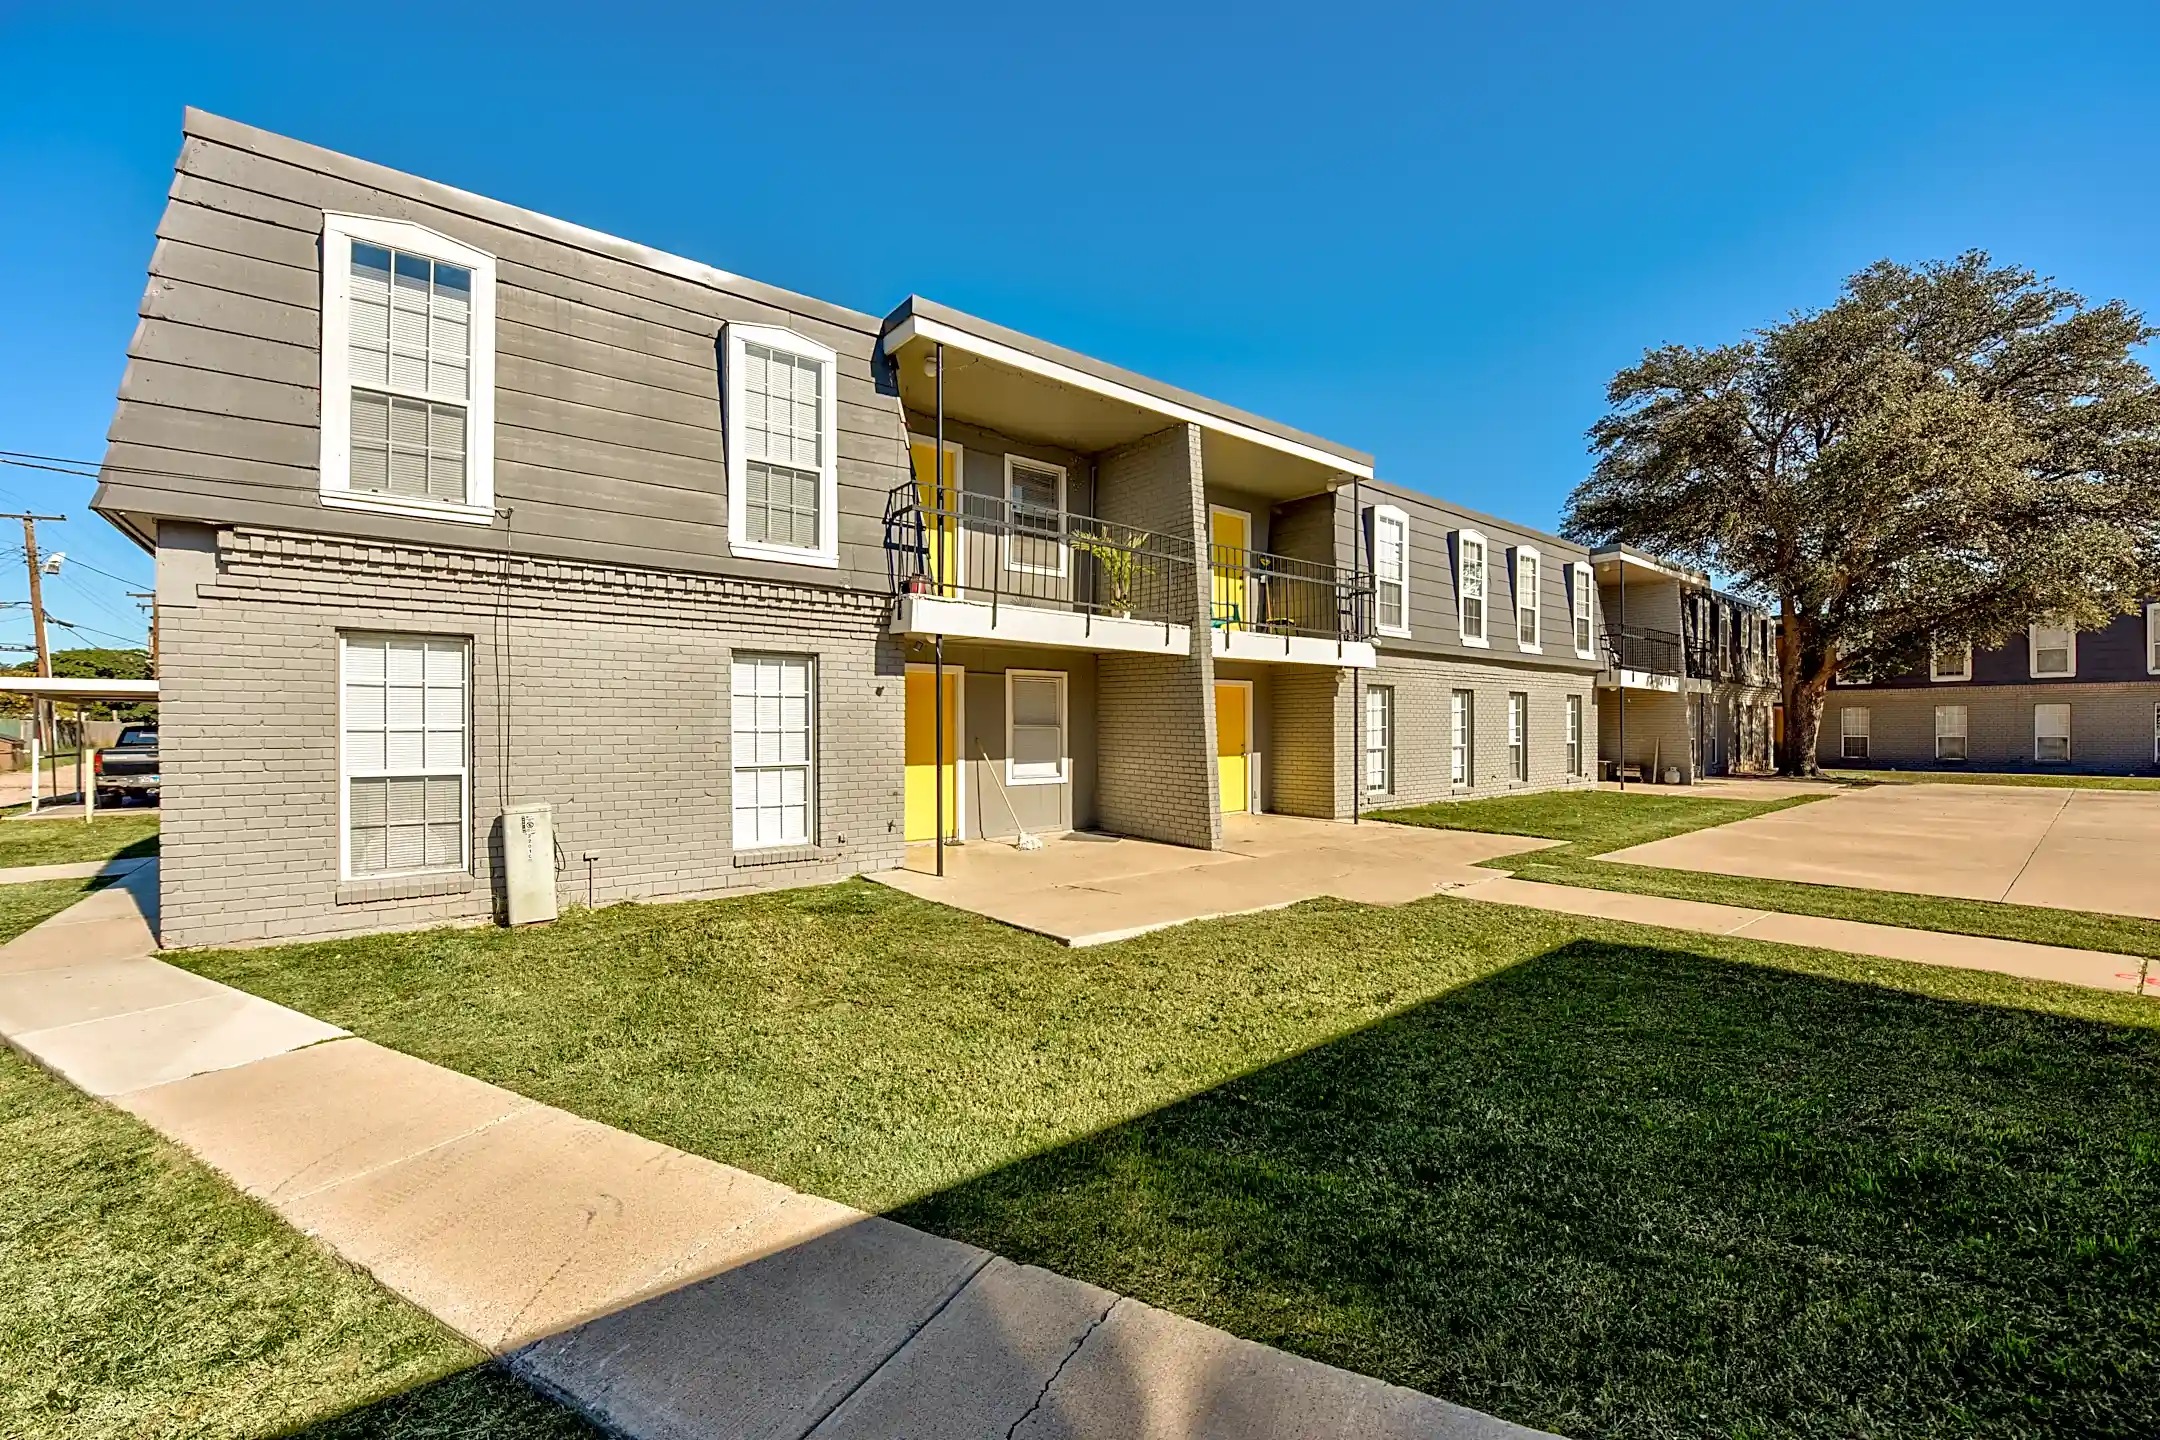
1608	562
54	688
1012	383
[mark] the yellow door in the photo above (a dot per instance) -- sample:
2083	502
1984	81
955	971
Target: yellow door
941	521
1229	541
1233	736
919	821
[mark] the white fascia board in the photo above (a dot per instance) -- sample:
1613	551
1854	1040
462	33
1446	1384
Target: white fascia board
54	688
1293	649
938	332
1034	625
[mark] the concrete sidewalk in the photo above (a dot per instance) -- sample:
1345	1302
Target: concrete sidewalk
661	1293
78	870
2096	969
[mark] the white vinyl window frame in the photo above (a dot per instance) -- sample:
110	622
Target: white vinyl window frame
1940	673
1379	739
1518	736
2042	637
1952	722
1462	738
348	772
2051	722
1053	537
1855	723
1014	773
1390	520
751	768
826	553
1473	581
2152	638
340	230
1581	613
2156	734
1529	606
1575	735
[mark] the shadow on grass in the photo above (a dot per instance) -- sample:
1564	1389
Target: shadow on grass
1620	1191
484	1403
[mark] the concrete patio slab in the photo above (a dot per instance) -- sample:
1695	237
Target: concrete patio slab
1093	889
764	1351
2068	849
543	1220
141	1048
288	1126
70	994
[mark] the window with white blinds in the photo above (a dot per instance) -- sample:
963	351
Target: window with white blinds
1574	735
783	485
1950	725
1580	602
1949	660
1391	569
1518	736
1529	577
1379	739
772	751
2152	638
2051	734
1462	728
408	370
1470	586
1035	493
1853	725
404	753
1035	727
2053	651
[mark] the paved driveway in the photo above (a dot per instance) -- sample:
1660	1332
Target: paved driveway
2068	849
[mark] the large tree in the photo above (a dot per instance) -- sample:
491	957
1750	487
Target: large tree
1946	454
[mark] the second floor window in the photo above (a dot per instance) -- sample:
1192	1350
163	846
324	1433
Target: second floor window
1579	604
783	479
1035	492
1529	577
2152	638
1391	569
1470	586
2053	650
1950	660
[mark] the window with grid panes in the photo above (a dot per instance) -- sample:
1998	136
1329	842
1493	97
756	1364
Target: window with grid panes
1379	739
1470	586
773	782
409	360
404	753
783	436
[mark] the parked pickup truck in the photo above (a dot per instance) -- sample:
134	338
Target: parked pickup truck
128	768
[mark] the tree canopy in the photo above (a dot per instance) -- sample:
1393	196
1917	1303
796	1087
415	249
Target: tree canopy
1948	453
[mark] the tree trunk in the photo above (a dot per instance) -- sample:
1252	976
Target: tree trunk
1803	727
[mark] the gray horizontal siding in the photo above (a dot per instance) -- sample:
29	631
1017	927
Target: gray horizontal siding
609	442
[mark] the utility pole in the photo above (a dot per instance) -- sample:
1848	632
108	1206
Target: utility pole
37	616
147	600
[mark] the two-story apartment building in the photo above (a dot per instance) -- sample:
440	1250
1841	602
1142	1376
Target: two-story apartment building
1691	684
456	506
2056	698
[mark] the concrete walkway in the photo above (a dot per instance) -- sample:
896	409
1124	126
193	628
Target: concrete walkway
79	870
2097	969
659	1292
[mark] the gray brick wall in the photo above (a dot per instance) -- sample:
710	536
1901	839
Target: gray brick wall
1155	715
2111	725
1657	730
604	691
1307	770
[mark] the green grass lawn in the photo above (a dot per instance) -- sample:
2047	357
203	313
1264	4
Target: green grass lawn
1601	1179
1594	822
126	833
140	1295
1966	777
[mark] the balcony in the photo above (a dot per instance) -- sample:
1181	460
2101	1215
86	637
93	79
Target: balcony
1642	659
977	566
1281	608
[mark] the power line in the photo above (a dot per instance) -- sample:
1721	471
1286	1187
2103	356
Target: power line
128	640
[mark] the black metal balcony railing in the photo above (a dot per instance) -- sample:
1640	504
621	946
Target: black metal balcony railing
1652	652
1284	595
968	546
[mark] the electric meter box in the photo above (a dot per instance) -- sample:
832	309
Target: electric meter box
529	862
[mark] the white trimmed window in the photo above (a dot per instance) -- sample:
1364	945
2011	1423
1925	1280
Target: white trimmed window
1574	735
403	756
1529	581
2156	734
1462	736
1035	497
408	371
1950	660
1379	739
773	749
1391	569
2053	651
2051	734
1470	576
1950	732
1518	736
1035	727
2152	638
783	471
1580	600
1853	723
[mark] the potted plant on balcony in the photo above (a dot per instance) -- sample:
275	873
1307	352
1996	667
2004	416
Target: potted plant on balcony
1116	551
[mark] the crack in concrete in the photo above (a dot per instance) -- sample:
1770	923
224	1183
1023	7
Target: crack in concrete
1094	1325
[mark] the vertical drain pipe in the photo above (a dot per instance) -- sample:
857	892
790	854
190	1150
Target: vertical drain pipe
937	665
1357	607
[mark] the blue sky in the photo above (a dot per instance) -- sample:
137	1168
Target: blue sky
1431	232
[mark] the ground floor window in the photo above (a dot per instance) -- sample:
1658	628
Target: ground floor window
403	756
1853	732
1518	736
2051	734
1379	739
1574	735
1949	732
774	781
2156	734
1035	727
1462	728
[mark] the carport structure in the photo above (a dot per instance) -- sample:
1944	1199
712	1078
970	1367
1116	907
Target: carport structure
52	690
